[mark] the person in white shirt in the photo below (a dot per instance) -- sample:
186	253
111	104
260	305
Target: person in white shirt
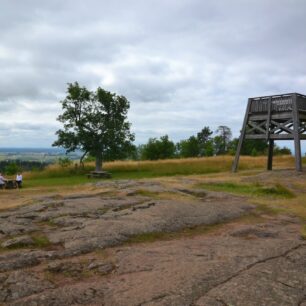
19	180
2	181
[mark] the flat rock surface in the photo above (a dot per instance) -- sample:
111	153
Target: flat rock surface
79	250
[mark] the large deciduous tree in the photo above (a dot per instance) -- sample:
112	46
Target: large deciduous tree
94	122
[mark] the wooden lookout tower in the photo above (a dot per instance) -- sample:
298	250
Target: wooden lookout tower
279	117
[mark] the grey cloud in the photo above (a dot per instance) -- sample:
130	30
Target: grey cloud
182	64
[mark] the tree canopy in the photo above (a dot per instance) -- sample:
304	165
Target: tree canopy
94	122
158	148
222	140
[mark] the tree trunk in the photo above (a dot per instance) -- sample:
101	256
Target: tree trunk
81	159
98	162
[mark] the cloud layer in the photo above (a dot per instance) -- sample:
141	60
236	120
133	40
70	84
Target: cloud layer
182	64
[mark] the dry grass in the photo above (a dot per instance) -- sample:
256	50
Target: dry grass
169	167
199	165
296	206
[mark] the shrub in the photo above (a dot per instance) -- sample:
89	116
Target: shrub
64	162
11	169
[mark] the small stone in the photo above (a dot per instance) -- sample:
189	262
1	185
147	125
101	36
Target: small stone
93	265
55	267
103	268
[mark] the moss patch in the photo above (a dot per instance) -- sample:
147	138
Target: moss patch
40	241
277	190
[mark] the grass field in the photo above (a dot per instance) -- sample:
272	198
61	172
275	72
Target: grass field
55	175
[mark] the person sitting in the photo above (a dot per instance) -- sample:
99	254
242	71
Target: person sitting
2	181
19	180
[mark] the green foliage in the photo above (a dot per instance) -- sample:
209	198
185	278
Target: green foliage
195	146
64	162
254	152
208	148
260	146
252	146
256	147
205	135
40	240
11	169
222	140
218	145
162	148
94	122
205	142
281	151
189	147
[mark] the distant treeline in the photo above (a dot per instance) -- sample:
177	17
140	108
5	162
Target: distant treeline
12	167
204	143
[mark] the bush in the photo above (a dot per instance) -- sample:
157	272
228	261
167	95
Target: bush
162	148
282	151
64	162
11	169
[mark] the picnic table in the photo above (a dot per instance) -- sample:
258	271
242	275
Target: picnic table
10	184
99	174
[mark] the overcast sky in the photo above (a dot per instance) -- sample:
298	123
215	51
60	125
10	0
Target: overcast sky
182	64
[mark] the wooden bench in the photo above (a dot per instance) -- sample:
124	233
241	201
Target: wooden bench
99	174
10	184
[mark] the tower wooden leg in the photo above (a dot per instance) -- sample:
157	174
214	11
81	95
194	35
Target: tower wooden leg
241	138
297	152
270	154
297	142
236	161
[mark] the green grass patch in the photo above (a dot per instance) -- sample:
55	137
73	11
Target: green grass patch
17	246
256	189
40	241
